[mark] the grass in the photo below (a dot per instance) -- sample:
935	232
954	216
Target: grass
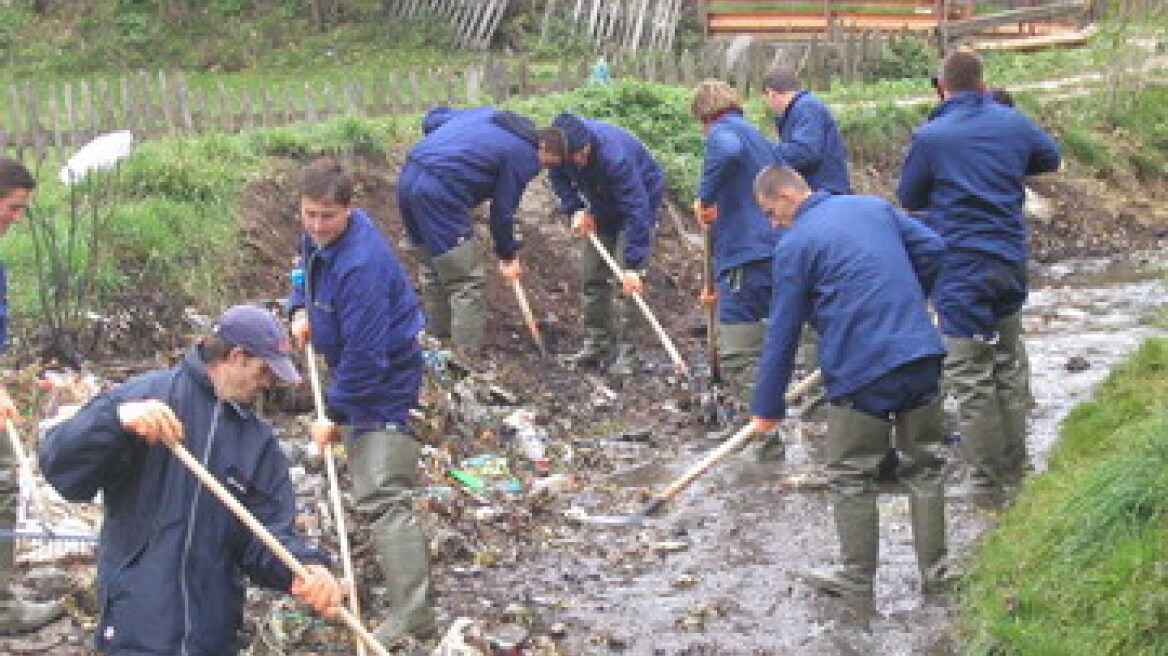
1079	565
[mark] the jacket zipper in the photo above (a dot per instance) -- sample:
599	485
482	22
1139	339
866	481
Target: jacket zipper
186	597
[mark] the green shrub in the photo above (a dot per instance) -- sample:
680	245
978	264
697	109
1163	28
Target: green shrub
906	57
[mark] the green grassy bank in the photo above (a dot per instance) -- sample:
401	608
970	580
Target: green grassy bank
1080	564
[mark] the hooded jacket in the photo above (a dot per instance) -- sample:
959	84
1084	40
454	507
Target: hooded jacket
173	559
622	187
365	321
859	270
467	156
735	152
810	142
967	167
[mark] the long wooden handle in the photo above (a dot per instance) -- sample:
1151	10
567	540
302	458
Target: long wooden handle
712	311
744	435
267	538
338	507
649	316
528	316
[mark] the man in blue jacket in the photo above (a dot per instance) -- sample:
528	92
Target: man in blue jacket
467	156
16	616
859	270
743	239
609	183
358	308
966	170
172	556
809	139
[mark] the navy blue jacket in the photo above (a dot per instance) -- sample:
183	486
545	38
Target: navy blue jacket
365	320
622	186
735	152
967	168
173	559
477	157
810	143
859	269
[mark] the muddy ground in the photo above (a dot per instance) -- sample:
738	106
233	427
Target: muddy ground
715	575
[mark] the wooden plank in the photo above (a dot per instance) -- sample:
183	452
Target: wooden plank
545	24
72	129
415	94
1064	9
14	125
183	102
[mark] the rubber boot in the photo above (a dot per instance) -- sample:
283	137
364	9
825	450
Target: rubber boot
739	349
461	272
596	305
16	616
921	434
1012	372
384	467
969	370
857	523
435	302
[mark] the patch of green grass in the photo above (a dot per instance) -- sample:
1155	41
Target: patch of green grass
1078	565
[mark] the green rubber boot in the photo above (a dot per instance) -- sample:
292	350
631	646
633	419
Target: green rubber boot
460	271
969	371
1012	372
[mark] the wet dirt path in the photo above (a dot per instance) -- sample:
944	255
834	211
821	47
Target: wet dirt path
716	575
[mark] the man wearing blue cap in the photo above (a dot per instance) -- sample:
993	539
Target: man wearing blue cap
172	557
467	156
608	181
357	306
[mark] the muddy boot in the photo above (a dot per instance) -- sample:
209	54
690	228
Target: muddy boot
969	371
460	270
1012	372
857	522
626	363
739	348
435	301
384	467
16	616
927	505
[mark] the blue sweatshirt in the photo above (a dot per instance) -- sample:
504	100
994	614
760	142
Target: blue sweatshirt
967	169
476	155
810	143
859	270
365	320
735	152
622	186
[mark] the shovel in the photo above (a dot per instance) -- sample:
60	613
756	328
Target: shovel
529	317
338	507
649	316
712	310
265	536
659	501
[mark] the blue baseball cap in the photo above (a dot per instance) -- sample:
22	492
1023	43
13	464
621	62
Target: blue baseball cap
260	333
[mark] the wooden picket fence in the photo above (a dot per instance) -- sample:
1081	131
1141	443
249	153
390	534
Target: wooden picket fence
474	21
630	25
152	105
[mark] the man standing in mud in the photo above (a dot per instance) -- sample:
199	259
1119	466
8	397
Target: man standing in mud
468	156
357	307
858	269
16	616
809	139
966	171
609	183
743	239
173	558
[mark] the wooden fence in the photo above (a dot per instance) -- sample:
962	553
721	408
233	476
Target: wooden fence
160	104
474	21
630	25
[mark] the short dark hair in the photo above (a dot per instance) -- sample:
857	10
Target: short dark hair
774	179
962	71
327	180
14	175
784	79
553	141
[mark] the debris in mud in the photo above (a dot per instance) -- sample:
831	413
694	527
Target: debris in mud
1077	363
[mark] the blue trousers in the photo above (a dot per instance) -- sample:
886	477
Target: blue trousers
974	291
744	293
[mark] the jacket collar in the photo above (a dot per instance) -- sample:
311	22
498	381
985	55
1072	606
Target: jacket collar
957	100
810	202
358	223
790	107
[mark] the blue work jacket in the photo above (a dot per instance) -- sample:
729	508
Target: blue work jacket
365	320
859	270
810	143
173	559
735	152
476	155
622	186
967	167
